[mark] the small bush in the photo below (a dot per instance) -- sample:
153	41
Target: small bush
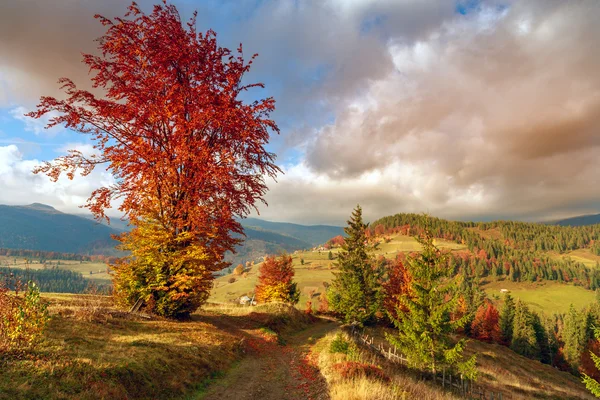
23	317
231	280
354	369
339	344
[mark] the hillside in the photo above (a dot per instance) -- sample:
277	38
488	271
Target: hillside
41	227
312	234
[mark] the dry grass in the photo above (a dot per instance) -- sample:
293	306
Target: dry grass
402	385
92	350
500	370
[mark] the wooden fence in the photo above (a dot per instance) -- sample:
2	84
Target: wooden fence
457	384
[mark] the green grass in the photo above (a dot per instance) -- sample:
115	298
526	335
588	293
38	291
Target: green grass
317	269
547	297
584	256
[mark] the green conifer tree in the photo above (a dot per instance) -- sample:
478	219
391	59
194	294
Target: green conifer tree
424	329
574	335
524	340
355	291
507	315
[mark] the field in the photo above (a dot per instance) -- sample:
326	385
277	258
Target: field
547	297
97	269
584	256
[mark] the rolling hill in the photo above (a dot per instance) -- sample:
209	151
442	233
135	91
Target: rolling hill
41	227
312	234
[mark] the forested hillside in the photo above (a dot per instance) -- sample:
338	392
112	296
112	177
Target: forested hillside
516	251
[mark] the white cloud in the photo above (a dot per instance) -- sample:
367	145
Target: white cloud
20	186
37	126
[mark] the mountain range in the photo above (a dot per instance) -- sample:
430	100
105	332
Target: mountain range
42	227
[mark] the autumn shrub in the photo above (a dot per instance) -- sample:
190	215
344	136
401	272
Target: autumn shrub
355	369
171	273
23	317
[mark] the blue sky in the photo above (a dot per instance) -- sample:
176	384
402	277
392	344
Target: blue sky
466	110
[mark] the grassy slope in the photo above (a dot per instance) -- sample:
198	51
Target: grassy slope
93	351
502	370
546	296
549	297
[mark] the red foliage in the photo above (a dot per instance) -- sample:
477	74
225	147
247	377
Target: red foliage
396	285
379	230
354	369
169	124
323	303
587	365
337	241
275	280
485	326
309	307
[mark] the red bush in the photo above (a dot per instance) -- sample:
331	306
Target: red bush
354	369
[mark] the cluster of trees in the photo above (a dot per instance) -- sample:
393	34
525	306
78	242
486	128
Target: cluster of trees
49	280
43	255
506	250
419	294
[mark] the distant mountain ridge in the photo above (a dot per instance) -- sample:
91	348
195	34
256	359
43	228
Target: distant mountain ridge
581	220
41	227
313	234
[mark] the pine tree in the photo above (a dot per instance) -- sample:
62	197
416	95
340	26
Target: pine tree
425	328
355	292
541	336
574	336
507	315
524	340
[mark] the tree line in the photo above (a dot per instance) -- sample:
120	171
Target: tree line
52	280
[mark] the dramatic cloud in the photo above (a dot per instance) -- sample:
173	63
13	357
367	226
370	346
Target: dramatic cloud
461	109
20	186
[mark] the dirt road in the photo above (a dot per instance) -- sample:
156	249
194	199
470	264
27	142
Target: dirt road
274	371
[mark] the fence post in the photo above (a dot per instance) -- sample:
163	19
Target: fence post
444	377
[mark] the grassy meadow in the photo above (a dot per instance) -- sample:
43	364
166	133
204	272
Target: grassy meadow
547	296
98	269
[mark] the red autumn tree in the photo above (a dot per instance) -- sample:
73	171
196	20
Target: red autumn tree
485	326
275	281
396	285
188	155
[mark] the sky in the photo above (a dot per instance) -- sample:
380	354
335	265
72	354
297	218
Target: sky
470	110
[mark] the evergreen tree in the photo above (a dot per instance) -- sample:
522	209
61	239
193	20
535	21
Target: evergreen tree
355	292
574	335
524	340
425	328
507	315
541	336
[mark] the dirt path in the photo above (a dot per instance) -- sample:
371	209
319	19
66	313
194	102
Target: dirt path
273	371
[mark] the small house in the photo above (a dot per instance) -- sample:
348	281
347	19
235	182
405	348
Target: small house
504	291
